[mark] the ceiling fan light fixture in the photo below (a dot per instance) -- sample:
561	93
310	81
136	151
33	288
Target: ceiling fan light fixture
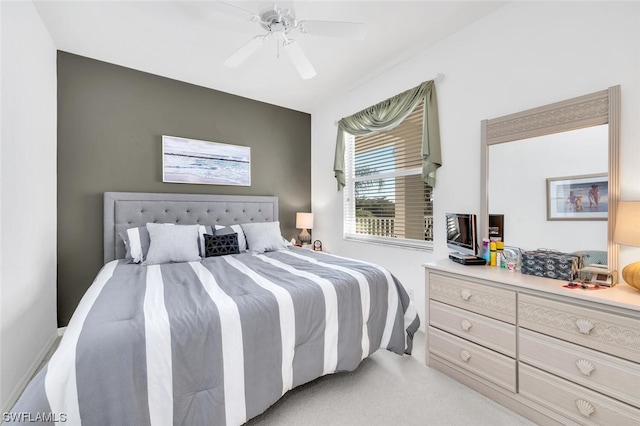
279	32
276	19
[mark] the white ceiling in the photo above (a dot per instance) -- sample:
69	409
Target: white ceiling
189	41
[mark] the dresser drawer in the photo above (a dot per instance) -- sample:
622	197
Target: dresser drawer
613	376
574	402
488	332
489	301
603	331
480	361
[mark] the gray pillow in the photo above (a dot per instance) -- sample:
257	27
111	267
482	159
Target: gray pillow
225	230
136	242
263	236
172	243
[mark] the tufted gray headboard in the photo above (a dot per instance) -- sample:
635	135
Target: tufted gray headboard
124	210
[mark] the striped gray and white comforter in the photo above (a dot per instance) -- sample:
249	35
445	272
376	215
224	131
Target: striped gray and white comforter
218	341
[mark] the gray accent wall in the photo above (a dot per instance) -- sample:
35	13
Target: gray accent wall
110	125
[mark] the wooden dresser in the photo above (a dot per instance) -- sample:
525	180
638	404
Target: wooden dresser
553	354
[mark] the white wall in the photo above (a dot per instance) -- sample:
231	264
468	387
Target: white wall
27	197
522	56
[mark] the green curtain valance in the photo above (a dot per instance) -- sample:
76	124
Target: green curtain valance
388	114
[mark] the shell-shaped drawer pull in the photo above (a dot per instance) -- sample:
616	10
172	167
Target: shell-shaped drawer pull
584	325
586	367
465	294
465	355
585	407
466	325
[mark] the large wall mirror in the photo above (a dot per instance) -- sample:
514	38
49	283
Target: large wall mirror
552	173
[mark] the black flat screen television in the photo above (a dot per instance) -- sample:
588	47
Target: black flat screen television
461	233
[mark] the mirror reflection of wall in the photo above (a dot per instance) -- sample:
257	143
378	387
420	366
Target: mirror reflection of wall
517	187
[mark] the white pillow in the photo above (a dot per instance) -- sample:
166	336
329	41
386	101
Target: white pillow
172	243
263	236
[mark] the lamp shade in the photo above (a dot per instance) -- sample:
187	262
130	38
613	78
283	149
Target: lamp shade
627	230
304	220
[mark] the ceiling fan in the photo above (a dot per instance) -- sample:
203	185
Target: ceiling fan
279	24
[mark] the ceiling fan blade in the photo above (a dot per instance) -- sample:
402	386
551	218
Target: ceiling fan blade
247	49
299	59
237	11
348	30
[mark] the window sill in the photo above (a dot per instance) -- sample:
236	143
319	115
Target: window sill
391	242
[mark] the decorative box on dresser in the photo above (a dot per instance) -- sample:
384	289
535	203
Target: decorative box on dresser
553	354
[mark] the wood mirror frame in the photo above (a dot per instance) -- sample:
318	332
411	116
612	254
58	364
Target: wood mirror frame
584	111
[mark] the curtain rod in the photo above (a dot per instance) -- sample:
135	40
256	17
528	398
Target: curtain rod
437	79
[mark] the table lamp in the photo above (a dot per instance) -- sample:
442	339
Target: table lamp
627	232
304	221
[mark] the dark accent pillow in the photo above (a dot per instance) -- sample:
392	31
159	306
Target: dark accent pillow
220	245
223	230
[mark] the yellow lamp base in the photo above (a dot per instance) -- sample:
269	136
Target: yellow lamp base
631	274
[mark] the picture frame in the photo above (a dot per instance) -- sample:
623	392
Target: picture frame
496	227
202	162
583	197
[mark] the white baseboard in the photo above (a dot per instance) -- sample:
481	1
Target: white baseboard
61	331
31	371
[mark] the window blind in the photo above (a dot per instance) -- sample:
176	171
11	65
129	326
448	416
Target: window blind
385	197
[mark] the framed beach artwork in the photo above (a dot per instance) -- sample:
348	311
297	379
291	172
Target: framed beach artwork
201	162
582	197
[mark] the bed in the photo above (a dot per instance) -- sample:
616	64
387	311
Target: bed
214	341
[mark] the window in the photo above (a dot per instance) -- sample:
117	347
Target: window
386	200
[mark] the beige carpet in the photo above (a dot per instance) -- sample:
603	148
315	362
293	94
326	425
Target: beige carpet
387	389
